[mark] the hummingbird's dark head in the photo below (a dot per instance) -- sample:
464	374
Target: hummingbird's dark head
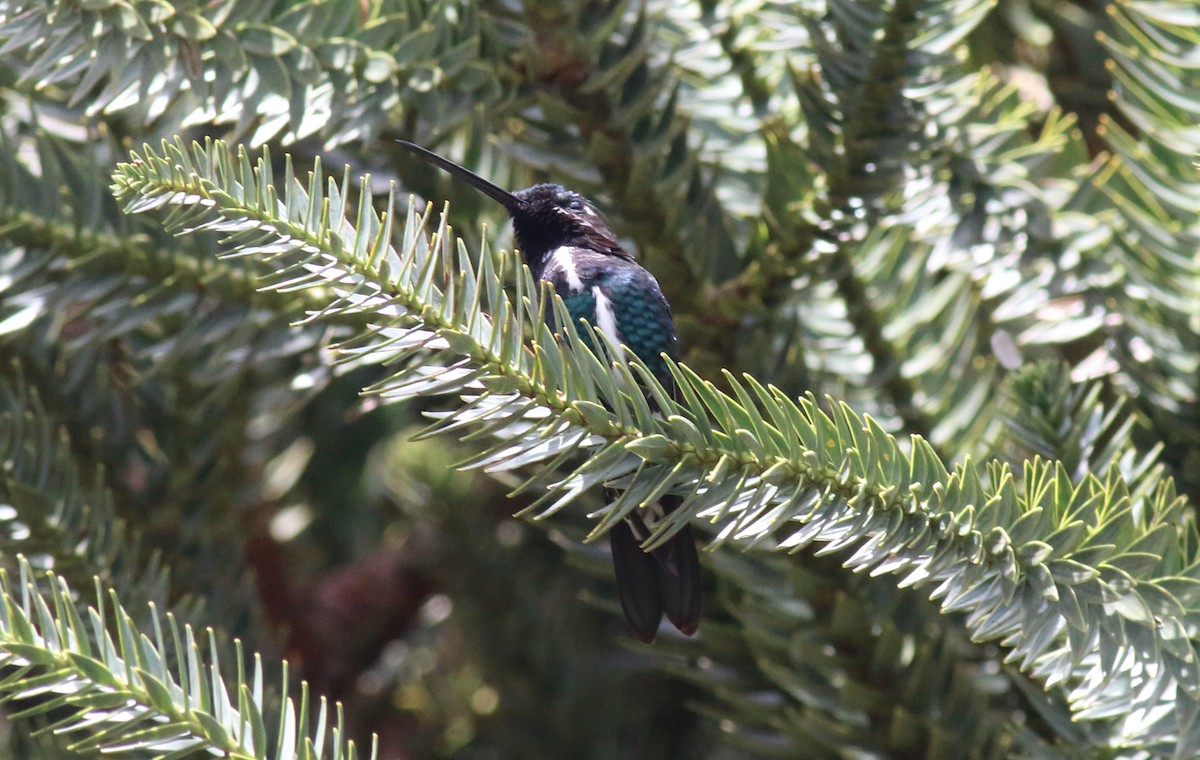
545	217
550	216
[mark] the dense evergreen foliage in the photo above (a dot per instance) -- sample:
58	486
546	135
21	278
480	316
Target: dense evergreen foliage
934	265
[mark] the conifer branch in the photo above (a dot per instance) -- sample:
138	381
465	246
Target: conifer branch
121	690
1085	589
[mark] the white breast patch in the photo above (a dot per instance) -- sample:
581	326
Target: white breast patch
606	318
563	260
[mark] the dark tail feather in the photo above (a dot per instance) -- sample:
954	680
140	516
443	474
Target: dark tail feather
681	590
637	583
666	580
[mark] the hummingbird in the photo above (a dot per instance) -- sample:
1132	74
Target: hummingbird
564	241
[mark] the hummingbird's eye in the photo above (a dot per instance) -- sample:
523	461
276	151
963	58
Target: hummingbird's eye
569	201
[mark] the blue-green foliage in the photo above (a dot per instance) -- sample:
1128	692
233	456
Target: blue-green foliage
938	322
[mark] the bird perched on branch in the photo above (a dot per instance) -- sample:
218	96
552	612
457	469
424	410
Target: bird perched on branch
565	242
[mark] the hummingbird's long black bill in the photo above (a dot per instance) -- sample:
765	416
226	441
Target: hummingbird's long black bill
506	199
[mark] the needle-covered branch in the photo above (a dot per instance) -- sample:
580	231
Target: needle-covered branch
1084	587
